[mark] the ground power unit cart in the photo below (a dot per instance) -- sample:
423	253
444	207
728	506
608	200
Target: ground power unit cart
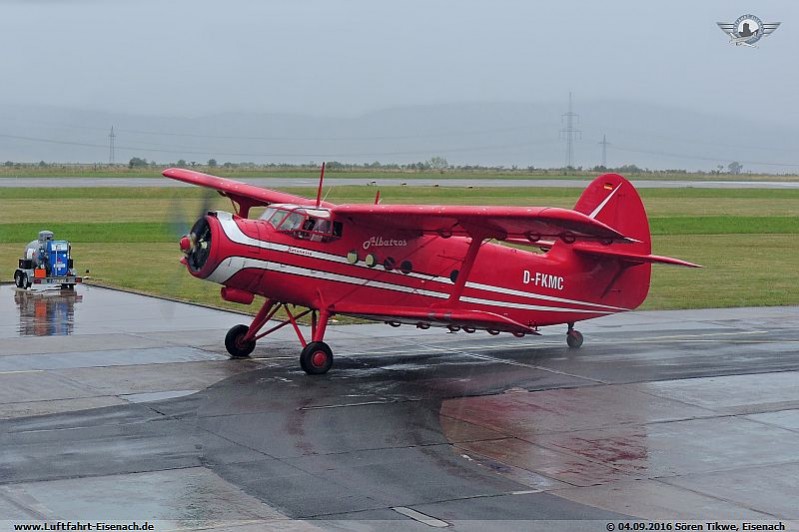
46	263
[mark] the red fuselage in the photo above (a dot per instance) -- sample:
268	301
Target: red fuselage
364	271
421	264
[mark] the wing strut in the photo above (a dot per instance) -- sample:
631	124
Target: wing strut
466	267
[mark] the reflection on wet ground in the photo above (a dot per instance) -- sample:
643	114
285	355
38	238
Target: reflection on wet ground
90	310
674	415
46	312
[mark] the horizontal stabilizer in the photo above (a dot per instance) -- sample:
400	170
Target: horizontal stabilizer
631	256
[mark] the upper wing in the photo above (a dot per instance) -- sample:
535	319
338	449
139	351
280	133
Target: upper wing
245	195
520	224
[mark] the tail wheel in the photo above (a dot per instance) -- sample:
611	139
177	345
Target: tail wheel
574	339
235	343
316	358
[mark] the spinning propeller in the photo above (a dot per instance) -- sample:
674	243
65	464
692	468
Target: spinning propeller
196	245
182	217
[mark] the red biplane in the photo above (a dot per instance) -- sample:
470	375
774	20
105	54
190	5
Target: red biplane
423	265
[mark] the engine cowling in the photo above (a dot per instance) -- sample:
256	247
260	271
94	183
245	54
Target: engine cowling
198	247
225	249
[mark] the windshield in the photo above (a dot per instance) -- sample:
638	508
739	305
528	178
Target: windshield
276	218
268	213
293	221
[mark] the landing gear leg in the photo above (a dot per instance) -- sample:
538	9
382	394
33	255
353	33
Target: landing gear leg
574	338
316	357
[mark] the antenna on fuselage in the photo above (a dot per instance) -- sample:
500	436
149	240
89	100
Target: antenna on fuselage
321	180
377	198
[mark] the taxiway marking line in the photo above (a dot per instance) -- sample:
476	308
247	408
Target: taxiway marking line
514	363
679	337
706	337
349	404
419	516
542	368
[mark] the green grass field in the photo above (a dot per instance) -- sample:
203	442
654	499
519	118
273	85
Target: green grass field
748	240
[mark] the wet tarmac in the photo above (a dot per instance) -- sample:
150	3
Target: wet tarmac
119	407
280	182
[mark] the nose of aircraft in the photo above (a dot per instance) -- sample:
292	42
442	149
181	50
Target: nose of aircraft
196	246
185	244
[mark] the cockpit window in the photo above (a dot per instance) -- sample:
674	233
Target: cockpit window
276	218
315	226
293	221
268	213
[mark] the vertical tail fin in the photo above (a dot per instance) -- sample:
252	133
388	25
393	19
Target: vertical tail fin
614	279
618	273
613	200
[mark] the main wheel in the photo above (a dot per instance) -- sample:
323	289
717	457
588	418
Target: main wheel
20	279
316	358
235	344
574	339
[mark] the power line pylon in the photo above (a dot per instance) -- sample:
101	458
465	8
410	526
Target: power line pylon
111	137
604	143
570	132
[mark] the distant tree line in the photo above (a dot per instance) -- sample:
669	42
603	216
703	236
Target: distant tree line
434	164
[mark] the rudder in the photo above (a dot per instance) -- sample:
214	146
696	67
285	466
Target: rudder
613	200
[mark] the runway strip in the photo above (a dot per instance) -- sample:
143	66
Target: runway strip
280	182
137	414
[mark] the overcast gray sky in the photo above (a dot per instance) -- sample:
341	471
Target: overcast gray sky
344	57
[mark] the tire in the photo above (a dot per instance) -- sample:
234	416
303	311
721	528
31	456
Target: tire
316	358
574	339
235	344
21	280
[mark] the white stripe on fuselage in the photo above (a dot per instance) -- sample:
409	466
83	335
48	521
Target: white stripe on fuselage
233	265
512	292
235	234
277	267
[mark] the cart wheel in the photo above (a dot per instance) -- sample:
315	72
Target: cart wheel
21	280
